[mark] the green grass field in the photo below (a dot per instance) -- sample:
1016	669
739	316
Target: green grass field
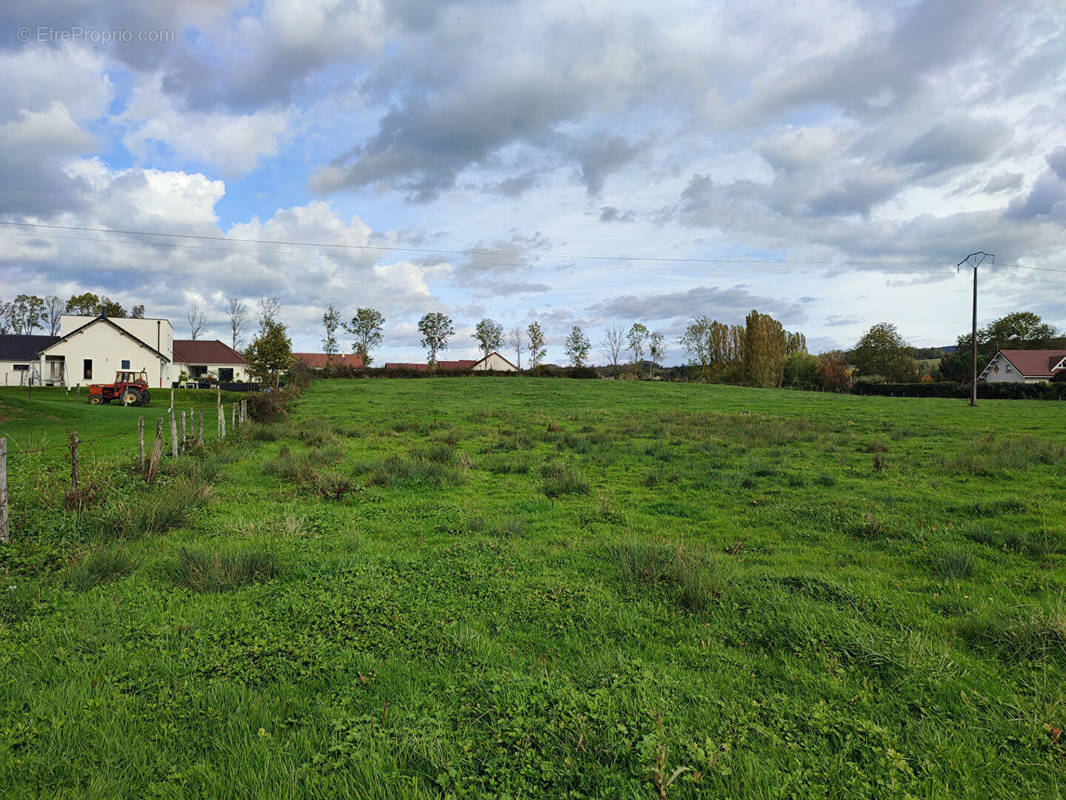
544	588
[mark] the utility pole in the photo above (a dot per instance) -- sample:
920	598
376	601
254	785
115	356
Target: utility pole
976	259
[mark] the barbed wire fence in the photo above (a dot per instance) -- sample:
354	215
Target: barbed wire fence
239	413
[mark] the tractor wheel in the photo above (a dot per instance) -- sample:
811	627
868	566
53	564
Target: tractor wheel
146	397
130	397
95	399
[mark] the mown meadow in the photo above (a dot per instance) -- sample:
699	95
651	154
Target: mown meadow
491	587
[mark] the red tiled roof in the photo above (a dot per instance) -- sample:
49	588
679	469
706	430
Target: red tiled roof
447	365
205	351
318	360
1034	363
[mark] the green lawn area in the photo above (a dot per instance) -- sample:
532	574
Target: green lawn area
543	588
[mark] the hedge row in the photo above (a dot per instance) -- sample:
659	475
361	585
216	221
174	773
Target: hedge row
380	372
989	391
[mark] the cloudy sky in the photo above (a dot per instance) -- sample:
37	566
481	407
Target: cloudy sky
580	162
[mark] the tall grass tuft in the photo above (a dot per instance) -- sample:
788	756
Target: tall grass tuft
558	479
101	566
167	506
211	571
690	577
1022	634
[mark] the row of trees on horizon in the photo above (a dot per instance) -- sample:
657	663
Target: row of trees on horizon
759	352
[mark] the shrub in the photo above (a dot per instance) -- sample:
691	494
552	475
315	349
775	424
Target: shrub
101	566
203	571
560	479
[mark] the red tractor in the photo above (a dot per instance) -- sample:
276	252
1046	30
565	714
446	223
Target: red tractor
129	388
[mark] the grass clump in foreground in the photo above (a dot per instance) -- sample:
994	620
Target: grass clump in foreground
156	510
100	566
215	571
558	479
691	579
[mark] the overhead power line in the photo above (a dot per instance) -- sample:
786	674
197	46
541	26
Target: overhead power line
842	263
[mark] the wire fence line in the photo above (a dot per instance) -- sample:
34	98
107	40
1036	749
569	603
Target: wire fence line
239	413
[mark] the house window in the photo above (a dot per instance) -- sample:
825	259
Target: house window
225	374
1009	369
20	367
87	369
125	363
197	371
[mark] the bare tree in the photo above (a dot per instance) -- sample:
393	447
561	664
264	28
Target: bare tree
269	308
614	342
197	322
516	339
53	310
238	319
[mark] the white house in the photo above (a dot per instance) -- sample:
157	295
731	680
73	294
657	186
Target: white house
199	357
93	349
18	358
495	362
1024	366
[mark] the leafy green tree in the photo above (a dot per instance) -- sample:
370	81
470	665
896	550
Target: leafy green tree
435	328
635	340
84	305
270	353
365	327
577	347
137	312
488	334
882	352
657	347
801	371
713	346
331	320
765	343
25	313
537	351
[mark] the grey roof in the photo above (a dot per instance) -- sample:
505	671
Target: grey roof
23	347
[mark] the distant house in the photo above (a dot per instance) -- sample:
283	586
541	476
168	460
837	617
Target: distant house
92	349
200	357
441	365
492	362
18	357
320	360
1024	366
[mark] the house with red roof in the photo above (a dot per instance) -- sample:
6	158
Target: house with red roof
493	362
321	360
200	357
1024	366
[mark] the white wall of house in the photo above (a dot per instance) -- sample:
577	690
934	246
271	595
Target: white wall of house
240	371
157	333
15	373
494	361
103	351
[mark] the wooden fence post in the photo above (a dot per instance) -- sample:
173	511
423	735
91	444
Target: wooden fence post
5	534
183	447
172	396
173	434
157	449
77	393
140	440
201	440
74	465
233	417
222	421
